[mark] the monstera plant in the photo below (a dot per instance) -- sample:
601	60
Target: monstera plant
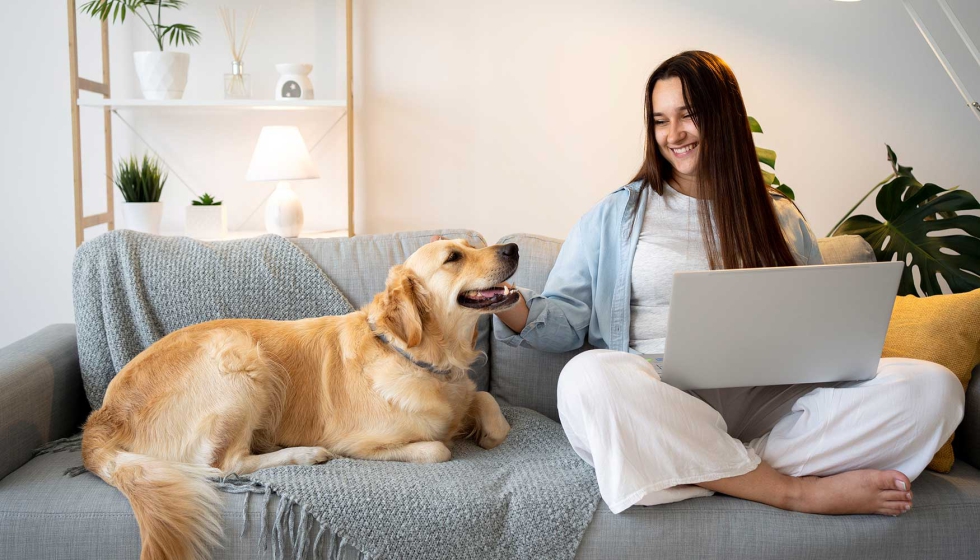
914	217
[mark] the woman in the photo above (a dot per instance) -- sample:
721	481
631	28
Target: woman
699	202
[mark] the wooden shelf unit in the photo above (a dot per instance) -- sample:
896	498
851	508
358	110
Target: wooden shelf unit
109	105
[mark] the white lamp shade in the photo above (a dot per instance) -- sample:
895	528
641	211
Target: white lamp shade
281	155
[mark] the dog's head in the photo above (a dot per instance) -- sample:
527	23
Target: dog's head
443	287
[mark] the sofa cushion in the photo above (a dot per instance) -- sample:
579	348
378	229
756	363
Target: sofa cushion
944	329
523	376
365	260
845	249
526	377
941	524
46	515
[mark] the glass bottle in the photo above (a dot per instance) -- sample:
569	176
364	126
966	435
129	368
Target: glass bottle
238	84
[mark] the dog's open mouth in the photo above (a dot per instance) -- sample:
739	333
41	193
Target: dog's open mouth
494	297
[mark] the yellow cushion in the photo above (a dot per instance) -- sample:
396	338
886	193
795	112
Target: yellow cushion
942	329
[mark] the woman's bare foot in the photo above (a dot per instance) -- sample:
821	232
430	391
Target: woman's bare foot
865	491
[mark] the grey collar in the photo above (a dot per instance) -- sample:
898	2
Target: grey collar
424	365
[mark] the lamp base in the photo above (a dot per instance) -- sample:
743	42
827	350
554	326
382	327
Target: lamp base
284	212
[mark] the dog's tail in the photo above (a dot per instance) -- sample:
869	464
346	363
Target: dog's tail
176	508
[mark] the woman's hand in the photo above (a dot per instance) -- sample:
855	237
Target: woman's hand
516	316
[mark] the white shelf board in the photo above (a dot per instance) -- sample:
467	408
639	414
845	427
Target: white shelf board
237	104
246	234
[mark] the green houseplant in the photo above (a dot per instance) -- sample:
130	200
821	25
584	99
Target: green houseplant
914	214
205	218
141	183
767	159
162	75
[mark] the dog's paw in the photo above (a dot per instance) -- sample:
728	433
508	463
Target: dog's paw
310	455
493	433
430	452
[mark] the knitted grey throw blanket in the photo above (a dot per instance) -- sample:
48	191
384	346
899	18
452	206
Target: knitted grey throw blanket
531	497
132	289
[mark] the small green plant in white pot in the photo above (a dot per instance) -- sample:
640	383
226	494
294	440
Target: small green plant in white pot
206	218
162	74
141	183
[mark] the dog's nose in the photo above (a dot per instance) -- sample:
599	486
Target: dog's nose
508	251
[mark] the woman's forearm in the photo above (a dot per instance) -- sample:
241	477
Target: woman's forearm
516	316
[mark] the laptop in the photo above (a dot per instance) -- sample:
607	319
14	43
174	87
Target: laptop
777	326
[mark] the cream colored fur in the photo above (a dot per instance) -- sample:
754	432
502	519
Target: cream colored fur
234	396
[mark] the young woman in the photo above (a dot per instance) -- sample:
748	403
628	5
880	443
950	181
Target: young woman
699	202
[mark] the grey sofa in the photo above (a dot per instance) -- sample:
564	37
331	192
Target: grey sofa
44	514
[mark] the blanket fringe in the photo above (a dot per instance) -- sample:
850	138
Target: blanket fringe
290	530
291	527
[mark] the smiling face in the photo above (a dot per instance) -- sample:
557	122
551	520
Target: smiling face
676	134
461	278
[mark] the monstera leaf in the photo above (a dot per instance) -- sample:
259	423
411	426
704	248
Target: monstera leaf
914	213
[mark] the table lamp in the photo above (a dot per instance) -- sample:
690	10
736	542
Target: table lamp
281	155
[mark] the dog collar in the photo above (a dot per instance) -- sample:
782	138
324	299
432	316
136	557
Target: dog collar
424	365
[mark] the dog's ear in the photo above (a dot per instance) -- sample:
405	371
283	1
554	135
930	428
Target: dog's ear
404	306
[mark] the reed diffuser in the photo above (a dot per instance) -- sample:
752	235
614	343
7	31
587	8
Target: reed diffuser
238	84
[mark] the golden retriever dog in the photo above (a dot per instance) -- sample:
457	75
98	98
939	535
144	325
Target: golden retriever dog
387	382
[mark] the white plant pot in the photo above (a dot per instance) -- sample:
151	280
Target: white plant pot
206	222
143	216
163	75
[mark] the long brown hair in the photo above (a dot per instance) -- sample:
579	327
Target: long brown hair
733	198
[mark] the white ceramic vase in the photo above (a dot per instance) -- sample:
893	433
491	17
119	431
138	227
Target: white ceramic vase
162	74
206	222
143	216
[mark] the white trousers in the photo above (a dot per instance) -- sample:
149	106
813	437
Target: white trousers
650	443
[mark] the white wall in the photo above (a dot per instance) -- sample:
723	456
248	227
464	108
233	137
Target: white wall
500	117
518	116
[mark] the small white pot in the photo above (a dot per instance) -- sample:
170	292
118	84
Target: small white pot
206	222
163	75
143	216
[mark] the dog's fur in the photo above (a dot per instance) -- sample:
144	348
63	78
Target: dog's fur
237	395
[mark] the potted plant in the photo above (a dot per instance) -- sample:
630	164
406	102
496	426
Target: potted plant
206	218
922	226
162	74
141	184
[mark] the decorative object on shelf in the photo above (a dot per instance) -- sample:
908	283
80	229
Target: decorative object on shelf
141	184
281	155
205	218
238	84
162	75
912	211
294	81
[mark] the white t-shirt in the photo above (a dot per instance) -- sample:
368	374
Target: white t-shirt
670	241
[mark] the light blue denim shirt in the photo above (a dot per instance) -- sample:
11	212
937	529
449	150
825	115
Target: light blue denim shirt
588	290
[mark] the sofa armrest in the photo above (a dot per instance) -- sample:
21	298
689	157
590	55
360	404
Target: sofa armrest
41	394
967	440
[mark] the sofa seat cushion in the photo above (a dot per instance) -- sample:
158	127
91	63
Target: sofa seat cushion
942	523
46	515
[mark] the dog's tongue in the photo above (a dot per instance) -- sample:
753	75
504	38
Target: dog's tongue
485	293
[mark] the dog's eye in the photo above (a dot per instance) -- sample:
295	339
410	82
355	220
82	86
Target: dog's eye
453	257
